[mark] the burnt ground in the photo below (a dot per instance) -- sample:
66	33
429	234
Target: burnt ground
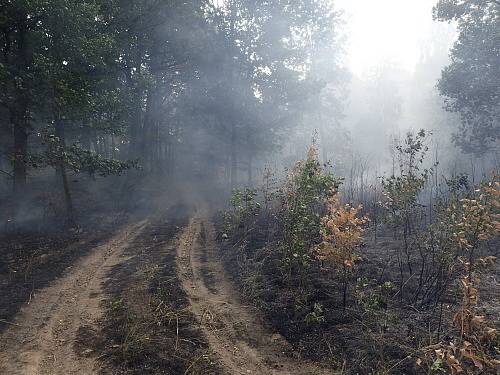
150	296
377	331
113	304
31	260
170	309
237	333
148	327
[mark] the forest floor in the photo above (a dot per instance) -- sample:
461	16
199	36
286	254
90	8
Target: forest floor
152	297
378	332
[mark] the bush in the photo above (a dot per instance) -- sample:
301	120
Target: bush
303	202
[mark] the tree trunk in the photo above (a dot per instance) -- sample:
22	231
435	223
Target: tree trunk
135	124
61	171
344	288
67	195
20	109
250	170
234	157
20	124
148	136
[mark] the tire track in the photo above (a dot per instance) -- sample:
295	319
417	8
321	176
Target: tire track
236	333
44	337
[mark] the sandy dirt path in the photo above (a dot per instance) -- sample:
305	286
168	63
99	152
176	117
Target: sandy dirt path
235	332
44	337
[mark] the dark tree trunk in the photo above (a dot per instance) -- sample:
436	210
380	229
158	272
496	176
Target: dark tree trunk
146	149
135	124
20	108
20	124
67	195
63	176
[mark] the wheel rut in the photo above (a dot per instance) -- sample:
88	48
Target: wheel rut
44	337
237	333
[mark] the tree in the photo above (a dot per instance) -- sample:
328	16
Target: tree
402	192
275	58
93	83
341	235
471	83
16	79
58	69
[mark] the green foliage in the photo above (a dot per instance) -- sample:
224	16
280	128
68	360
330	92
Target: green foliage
401	200
117	305
470	84
388	286
370	300
457	184
243	212
304	199
315	316
81	160
437	367
402	191
59	62
149	72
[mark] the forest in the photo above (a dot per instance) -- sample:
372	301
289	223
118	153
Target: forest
249	187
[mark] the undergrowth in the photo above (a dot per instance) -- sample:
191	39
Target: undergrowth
297	249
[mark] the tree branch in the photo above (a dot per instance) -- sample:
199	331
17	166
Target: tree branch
6	173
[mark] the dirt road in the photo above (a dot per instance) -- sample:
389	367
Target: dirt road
236	332
47	335
44	337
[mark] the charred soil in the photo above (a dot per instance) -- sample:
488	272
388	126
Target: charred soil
379	330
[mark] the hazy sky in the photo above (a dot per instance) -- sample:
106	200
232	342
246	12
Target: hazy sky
380	30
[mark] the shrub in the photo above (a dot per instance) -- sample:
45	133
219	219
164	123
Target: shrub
470	222
303	202
473	349
341	234
240	218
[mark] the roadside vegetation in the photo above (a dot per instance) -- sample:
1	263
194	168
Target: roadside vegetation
407	300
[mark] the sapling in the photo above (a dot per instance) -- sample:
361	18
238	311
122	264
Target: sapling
306	192
401	192
341	233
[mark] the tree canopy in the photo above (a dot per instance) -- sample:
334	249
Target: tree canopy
102	86
471	83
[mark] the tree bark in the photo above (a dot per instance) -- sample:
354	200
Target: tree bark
136	118
20	124
20	108
61	171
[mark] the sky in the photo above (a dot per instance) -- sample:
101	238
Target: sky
385	30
